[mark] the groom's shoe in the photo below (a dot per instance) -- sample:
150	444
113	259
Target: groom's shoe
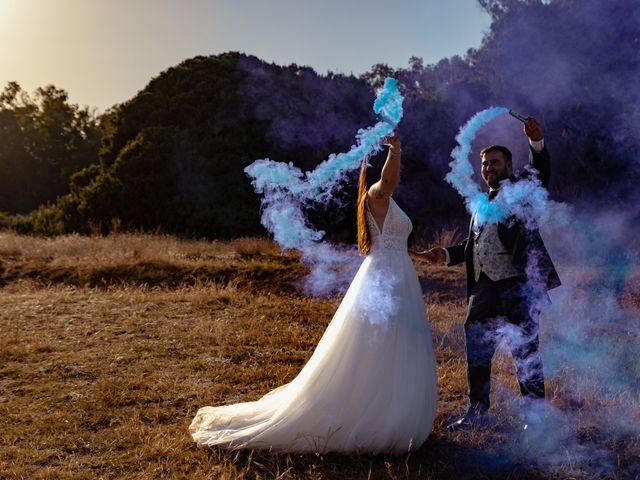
474	417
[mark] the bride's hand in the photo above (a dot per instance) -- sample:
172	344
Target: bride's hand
393	141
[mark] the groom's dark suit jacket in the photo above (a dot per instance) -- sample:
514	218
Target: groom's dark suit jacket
524	244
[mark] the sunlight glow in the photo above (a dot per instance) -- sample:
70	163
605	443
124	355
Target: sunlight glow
6	10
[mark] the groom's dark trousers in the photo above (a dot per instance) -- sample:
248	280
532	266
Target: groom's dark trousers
500	310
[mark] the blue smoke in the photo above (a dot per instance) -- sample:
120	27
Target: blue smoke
287	191
526	199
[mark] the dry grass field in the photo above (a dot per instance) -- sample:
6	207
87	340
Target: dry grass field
109	345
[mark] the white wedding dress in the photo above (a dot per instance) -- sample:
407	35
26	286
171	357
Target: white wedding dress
370	385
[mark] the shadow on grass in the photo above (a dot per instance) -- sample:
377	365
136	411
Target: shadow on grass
275	274
442	289
438	457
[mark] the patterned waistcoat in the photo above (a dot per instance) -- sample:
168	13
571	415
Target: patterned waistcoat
490	256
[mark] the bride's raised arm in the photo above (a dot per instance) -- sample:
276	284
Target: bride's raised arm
379	193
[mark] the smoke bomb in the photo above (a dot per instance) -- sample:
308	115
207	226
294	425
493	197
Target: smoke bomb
517	116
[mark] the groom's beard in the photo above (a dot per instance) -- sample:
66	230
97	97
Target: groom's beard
493	179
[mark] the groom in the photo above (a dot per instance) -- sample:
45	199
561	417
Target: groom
509	272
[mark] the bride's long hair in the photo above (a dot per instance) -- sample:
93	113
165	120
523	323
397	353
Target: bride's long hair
364	239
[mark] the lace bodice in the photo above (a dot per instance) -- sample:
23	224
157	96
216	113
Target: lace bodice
395	230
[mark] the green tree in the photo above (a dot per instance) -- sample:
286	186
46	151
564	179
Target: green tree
173	156
44	139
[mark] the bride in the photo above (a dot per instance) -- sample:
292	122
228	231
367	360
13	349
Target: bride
370	385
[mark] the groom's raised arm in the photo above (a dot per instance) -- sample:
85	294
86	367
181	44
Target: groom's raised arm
538	154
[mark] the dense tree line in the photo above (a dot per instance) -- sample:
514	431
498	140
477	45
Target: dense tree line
43	140
172	157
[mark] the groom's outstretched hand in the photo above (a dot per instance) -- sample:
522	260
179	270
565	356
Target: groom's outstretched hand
434	256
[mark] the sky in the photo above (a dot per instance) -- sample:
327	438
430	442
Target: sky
104	51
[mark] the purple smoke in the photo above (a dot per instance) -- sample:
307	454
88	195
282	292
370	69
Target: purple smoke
589	341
